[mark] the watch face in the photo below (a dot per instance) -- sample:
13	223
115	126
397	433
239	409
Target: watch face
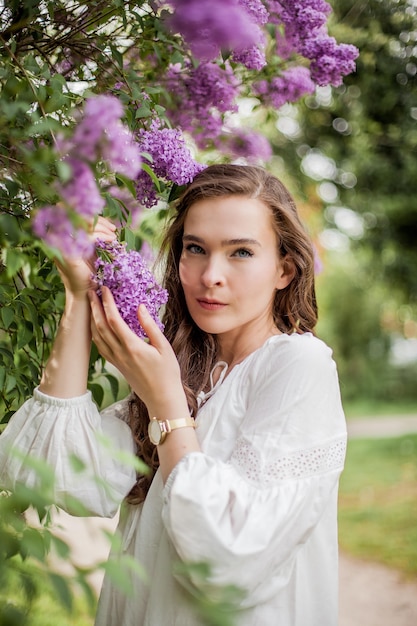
154	432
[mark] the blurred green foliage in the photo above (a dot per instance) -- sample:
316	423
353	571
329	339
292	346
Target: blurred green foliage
351	153
354	309
24	549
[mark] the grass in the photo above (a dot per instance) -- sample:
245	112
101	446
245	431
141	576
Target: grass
364	407
378	502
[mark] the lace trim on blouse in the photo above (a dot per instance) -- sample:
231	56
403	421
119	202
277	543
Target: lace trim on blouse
298	465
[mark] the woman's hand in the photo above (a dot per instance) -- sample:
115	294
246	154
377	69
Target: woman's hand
76	273
151	369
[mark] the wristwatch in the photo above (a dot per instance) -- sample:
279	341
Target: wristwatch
159	429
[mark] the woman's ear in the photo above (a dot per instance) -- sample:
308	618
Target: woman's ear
286	272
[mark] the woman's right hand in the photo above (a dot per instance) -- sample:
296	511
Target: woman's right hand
76	273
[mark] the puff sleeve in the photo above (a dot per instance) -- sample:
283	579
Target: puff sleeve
250	514
58	430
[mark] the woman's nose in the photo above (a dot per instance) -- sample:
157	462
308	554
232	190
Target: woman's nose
213	273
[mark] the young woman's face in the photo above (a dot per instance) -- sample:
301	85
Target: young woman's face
230	267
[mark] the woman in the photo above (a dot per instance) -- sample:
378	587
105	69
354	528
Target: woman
248	474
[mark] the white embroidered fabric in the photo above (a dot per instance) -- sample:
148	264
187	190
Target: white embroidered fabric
295	466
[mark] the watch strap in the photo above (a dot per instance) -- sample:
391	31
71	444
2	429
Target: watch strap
181	422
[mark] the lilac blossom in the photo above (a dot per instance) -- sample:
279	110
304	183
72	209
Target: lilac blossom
202	95
100	112
304	14
53	225
289	87
127	276
253	58
81	192
330	61
256	10
209	27
101	134
171	160
246	143
145	190
306	34
121	151
98	135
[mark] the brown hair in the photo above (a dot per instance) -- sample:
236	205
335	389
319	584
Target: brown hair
294	308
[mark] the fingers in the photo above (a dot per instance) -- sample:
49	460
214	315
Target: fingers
102	334
107	319
156	337
104	229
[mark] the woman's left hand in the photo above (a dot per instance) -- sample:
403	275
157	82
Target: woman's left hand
151	369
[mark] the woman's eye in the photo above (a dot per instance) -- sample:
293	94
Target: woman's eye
194	248
243	253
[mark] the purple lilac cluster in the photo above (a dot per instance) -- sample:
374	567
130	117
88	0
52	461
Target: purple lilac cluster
81	191
127	276
202	95
293	83
306	33
171	160
245	143
98	135
253	57
51	223
210	27
101	134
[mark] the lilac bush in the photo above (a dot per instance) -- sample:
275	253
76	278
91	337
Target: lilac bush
112	107
184	93
131	282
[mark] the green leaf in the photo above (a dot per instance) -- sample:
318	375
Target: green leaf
25	335
114	384
97	391
117	56
77	464
10	383
152	174
63	590
60	546
123	181
7	315
14	261
33	544
143	111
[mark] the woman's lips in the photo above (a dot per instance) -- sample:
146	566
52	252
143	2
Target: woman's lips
210	305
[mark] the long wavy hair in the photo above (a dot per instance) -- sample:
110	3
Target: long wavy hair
294	307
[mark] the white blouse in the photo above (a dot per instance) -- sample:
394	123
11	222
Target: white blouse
258	503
